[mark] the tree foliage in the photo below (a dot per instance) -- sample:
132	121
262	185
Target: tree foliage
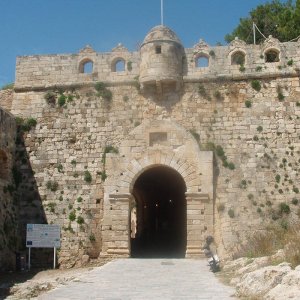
281	20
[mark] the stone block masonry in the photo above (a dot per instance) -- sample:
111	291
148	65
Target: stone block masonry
230	130
9	240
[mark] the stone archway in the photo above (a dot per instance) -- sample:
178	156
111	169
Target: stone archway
160	205
162	145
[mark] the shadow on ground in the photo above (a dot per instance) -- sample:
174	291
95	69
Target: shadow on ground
9	279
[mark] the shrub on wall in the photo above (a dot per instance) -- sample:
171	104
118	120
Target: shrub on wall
61	100
103	91
50	97
248	103
256	85
25	125
72	215
129	66
87	177
52	185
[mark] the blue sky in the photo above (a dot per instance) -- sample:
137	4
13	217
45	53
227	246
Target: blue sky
29	27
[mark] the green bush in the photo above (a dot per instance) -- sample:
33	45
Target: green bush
259	128
31	122
87	177
212	53
280	96
220	151
92	237
290	62
103	91
52	185
60	168
256	85
242	68
79	199
295	190
103	176
25	125
61	100
52	205
218	95
80	220
202	92
50	97
72	216
284	208
129	66
99	86
248	103
70	98
250	196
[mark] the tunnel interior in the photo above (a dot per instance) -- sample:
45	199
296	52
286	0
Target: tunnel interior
159	226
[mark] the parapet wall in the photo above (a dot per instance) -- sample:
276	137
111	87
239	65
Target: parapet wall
42	71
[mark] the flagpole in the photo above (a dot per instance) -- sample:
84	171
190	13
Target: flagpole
162	11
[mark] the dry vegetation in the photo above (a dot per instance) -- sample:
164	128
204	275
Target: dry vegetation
275	237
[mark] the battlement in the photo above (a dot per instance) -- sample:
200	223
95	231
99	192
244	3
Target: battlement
236	61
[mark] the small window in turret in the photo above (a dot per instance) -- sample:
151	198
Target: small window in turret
272	56
158	49
202	61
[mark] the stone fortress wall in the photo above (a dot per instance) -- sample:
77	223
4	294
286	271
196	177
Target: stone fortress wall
8	205
250	108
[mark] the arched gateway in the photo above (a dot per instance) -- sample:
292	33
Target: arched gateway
160	171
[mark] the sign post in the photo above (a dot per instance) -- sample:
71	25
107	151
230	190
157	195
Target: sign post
42	236
54	258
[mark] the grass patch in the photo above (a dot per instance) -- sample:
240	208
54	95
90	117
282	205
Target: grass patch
274	237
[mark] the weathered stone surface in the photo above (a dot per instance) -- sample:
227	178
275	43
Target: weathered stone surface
289	288
8	208
68	176
261	281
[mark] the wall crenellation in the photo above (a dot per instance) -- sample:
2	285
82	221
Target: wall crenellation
44	71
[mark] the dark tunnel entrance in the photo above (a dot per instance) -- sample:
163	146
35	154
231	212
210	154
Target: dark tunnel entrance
158	220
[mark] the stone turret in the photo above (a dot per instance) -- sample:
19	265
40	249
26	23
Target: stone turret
161	58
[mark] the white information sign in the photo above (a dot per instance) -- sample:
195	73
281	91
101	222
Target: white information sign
43	236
